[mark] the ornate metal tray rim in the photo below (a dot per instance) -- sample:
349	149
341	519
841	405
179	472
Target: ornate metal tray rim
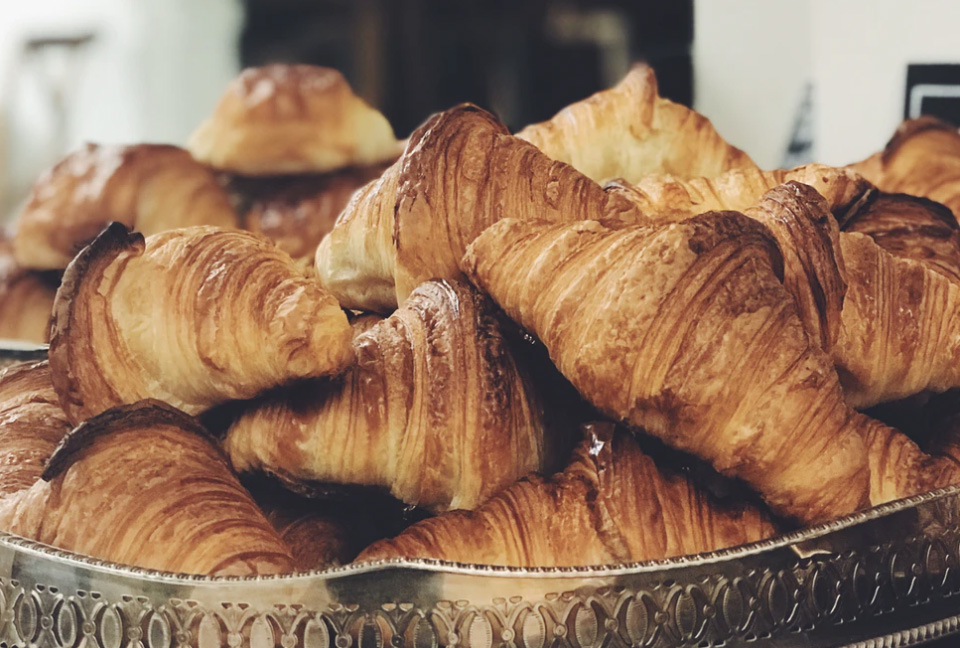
790	540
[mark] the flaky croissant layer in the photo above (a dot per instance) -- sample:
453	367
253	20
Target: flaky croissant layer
436	409
461	172
611	505
193	317
686	331
147	187
32	424
900	332
144	485
630	131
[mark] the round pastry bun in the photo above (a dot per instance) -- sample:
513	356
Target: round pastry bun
283	119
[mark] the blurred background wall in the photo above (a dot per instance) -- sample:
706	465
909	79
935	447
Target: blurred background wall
787	81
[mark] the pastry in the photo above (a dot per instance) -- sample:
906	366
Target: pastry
26	299
436	409
296	212
147	187
800	220
194	317
884	334
921	159
461	172
672	198
613	504
161	493
630	131
908	227
897	335
281	119
685	330
32	424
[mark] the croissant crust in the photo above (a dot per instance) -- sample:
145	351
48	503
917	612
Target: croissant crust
161	491
921	159
436	409
193	317
630	131
649	323
461	172
281	119
32	424
611	505
147	187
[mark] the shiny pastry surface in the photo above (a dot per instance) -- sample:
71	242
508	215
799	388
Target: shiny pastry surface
280	119
147	187
161	492
194	317
630	131
436	409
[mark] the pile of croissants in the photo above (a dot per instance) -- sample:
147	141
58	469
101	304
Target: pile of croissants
610	337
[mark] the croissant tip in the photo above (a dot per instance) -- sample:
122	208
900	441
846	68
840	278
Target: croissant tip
911	127
117	419
112	241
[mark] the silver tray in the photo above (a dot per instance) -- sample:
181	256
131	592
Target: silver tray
886	577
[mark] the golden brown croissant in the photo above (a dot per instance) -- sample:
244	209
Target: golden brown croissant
899	468
147	187
686	331
161	494
461	172
611	505
26	299
899	331
194	317
281	119
671	198
921	159
31	425
436	410
630	131
869	324
908	227
296	212
316	539
800	220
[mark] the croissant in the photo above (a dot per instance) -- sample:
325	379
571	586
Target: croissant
869	328
296	212
26	299
316	539
436	410
910	228
900	468
650	323
630	131
899	326
671	198
921	159
31	425
280	119
611	505
194	317
461	172
800	220
161	493
147	187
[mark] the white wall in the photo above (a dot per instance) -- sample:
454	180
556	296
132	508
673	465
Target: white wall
751	59
752	56
861	49
154	71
